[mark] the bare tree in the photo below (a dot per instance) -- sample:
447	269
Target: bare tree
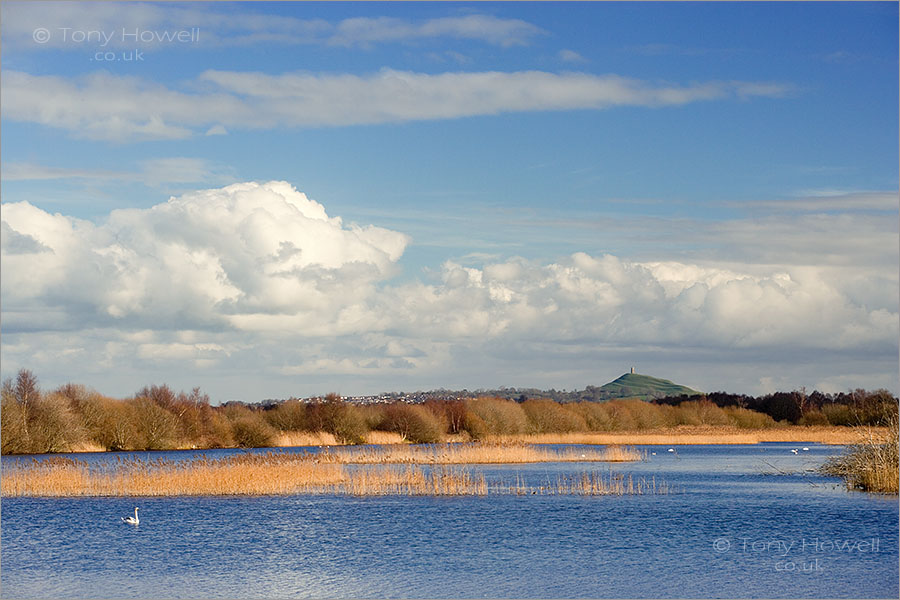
26	393
156	425
54	427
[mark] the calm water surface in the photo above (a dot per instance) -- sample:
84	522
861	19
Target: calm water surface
744	522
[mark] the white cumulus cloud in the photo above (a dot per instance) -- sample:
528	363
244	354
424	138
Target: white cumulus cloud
205	259
607	299
258	278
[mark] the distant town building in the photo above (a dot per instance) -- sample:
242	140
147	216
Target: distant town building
632	370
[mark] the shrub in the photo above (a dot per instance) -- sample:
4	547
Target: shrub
156	427
288	416
452	414
218	432
872	463
635	415
547	416
193	414
621	418
19	397
501	417
702	412
813	417
748	419
252	431
120	430
839	414
371	415
338	418
475	426
13	432
875	408
52	425
686	414
414	423
596	415
94	411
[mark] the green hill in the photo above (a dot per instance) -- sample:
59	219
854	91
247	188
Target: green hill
632	385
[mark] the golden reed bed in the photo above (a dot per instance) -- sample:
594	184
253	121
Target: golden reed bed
872	463
682	435
692	435
281	474
489	453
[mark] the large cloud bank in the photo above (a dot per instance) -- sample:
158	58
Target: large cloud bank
259	276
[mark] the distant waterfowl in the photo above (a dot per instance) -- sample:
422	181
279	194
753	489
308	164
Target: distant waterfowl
794	450
671	449
132	520
806	449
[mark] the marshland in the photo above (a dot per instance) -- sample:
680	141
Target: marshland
74	418
443	499
354	525
374	471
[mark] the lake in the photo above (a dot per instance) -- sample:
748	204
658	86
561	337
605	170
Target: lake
742	522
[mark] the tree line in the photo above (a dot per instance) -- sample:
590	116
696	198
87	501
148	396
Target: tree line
73	417
856	407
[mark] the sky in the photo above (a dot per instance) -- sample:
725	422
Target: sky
289	199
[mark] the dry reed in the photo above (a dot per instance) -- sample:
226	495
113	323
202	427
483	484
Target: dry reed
693	435
267	474
588	484
384	437
872	463
594	484
412	480
273	474
87	446
449	454
294	439
245	474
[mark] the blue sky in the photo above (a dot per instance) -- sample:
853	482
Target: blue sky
521	194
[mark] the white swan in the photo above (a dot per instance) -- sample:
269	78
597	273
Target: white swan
132	520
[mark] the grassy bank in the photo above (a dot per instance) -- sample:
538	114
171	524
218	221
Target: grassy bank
871	463
341	472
